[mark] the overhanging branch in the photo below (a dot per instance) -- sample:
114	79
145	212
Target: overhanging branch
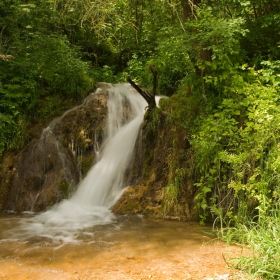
149	97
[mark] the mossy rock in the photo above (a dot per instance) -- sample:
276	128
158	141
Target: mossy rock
130	202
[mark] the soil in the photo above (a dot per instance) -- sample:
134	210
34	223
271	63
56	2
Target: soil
135	248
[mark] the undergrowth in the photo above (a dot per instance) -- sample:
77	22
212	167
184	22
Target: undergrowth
262	237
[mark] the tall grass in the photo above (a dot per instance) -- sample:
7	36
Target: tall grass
263	240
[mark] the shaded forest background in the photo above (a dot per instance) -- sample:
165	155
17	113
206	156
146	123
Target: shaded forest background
217	60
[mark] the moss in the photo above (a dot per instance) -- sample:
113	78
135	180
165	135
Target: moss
3	195
63	187
131	208
166	169
170	198
100	129
51	204
64	143
154	211
146	172
151	126
85	163
130	202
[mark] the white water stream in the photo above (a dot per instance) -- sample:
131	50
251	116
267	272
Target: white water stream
103	185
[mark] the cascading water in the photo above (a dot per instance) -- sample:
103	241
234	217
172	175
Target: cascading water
104	183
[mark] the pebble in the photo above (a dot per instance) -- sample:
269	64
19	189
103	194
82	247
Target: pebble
218	277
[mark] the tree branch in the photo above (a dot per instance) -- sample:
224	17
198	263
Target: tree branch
150	98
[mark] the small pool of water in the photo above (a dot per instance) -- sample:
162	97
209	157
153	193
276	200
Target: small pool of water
132	247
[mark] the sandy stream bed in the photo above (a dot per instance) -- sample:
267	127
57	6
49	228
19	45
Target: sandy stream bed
135	249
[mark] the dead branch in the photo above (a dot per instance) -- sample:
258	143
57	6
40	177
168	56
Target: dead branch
149	97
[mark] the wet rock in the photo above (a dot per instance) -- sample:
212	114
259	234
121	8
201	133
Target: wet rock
165	153
49	168
8	169
130	201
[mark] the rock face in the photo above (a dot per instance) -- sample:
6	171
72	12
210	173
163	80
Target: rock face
49	168
7	172
166	189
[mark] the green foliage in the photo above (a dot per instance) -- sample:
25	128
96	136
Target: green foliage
176	122
236	145
170	198
5	123
152	121
51	105
262	239
138	69
45	69
172	191
64	188
58	67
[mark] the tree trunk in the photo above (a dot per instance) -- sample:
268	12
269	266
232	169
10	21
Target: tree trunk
188	9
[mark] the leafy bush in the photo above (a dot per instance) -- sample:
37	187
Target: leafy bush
236	148
58	66
44	66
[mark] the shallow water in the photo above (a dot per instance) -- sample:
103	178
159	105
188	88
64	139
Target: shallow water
130	248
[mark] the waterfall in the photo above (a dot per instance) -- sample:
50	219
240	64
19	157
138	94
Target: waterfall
104	183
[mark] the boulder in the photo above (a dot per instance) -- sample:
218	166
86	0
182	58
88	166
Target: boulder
49	168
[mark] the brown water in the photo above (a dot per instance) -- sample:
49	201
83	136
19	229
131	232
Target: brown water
131	248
